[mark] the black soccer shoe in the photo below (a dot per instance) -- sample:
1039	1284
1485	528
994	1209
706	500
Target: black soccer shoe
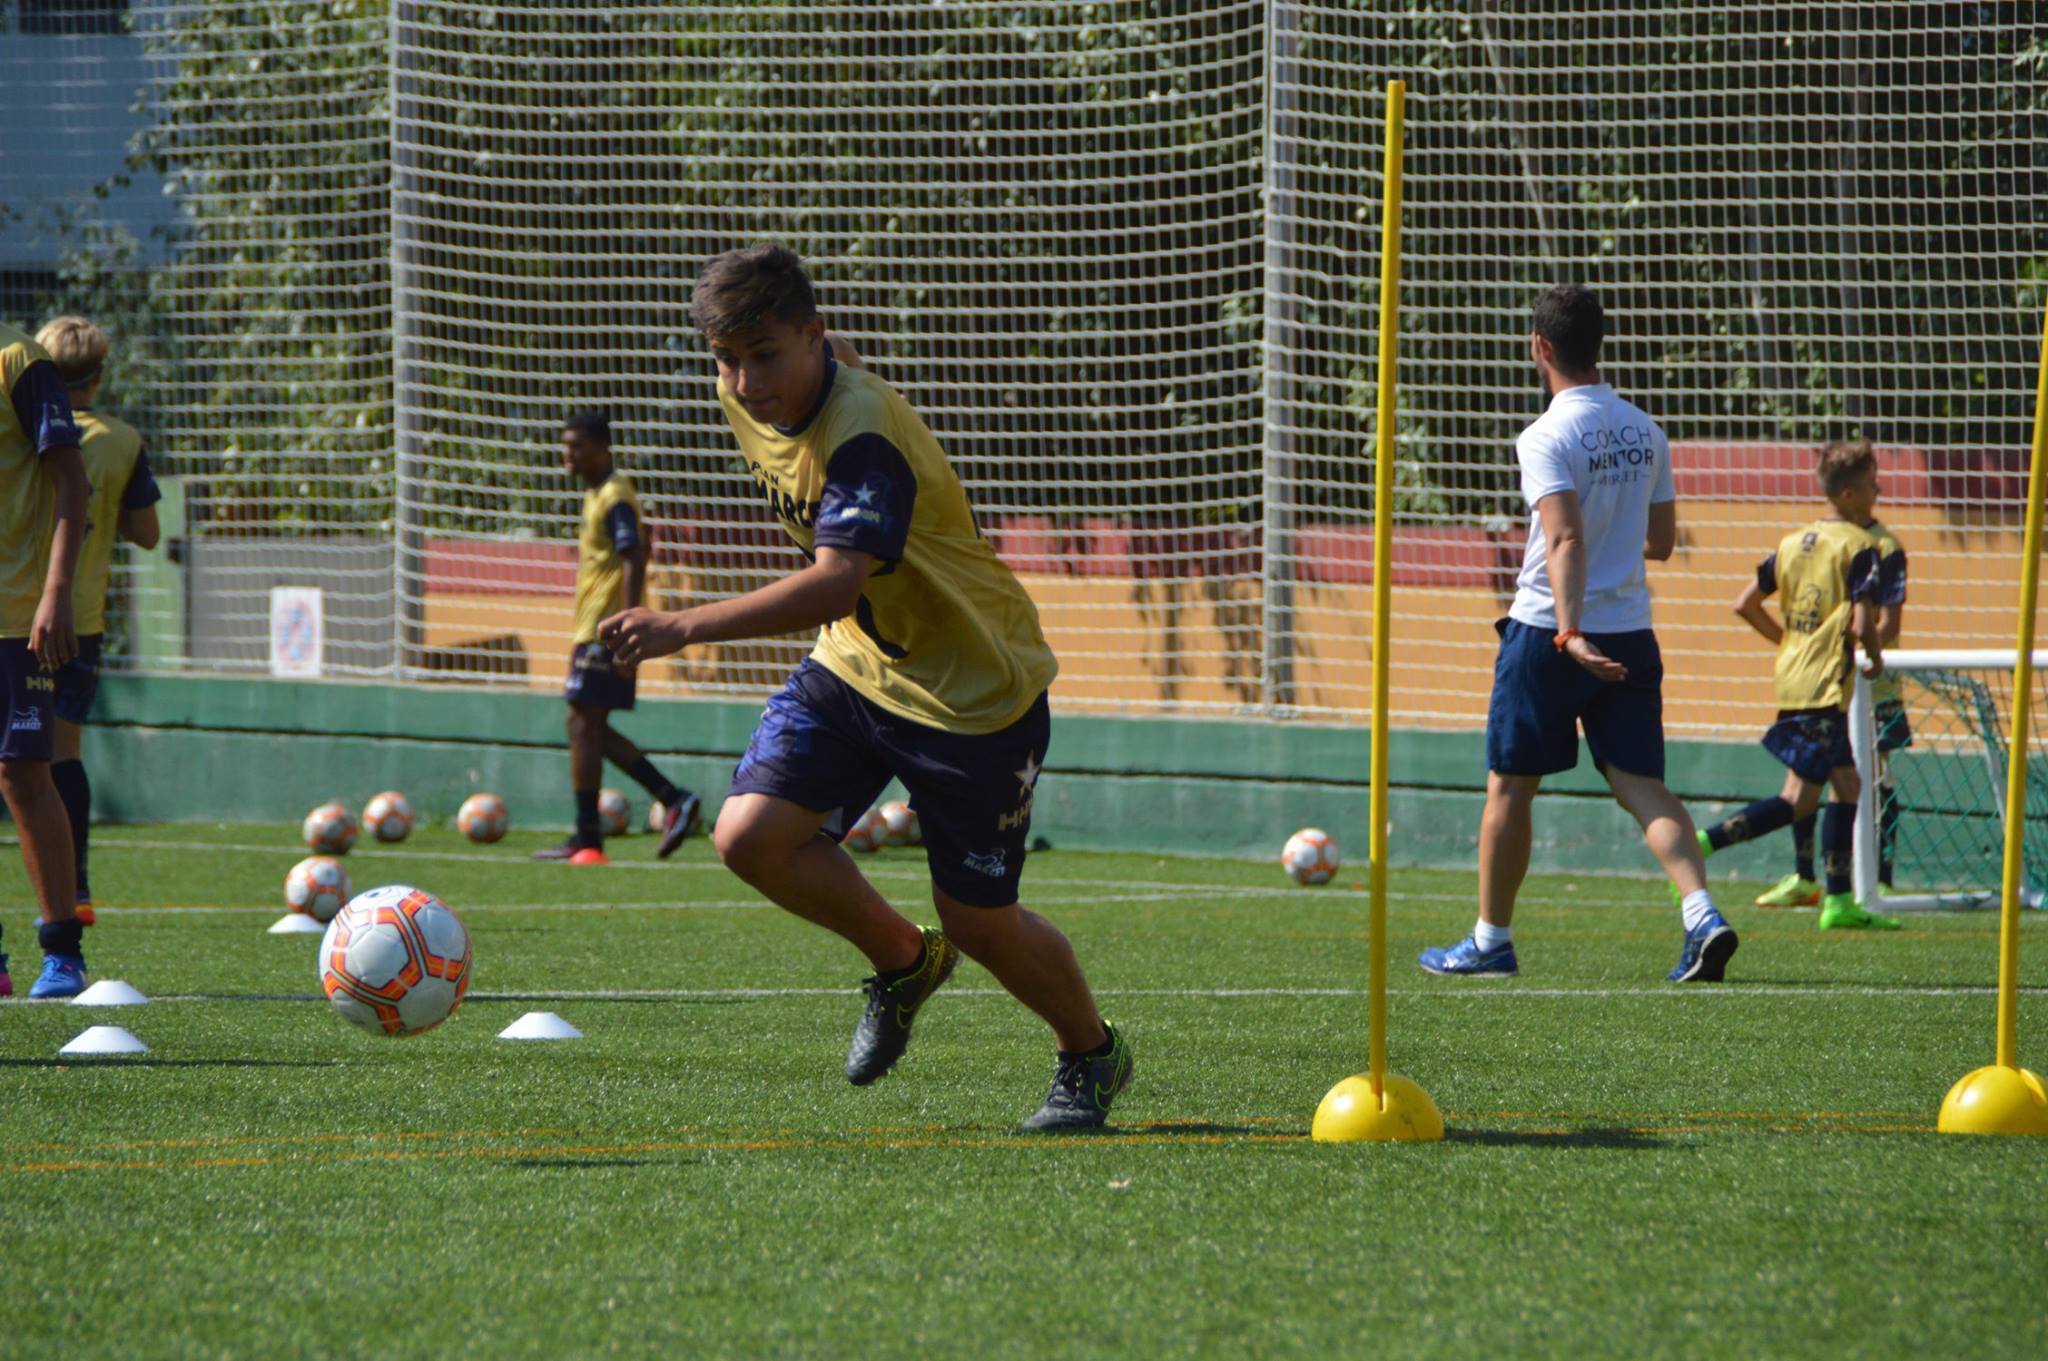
1083	1087
884	1030
685	819
562	852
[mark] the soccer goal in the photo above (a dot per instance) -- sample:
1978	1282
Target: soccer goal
1932	741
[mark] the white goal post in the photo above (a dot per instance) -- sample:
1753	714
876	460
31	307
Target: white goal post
1932	740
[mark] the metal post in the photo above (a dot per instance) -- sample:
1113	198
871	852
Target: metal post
1277	471
407	542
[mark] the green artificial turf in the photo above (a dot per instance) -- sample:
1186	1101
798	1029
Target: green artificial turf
1633	1169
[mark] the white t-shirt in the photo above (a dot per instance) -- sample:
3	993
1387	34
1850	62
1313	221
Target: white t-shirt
1605	449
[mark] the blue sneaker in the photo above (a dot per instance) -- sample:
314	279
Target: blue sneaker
1708	948
1464	960
62	976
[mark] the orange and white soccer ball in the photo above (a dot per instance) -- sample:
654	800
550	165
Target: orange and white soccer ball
388	816
868	834
657	818
614	815
483	818
899	824
395	961
317	886
330	829
1310	857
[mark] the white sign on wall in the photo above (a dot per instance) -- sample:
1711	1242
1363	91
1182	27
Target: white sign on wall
295	631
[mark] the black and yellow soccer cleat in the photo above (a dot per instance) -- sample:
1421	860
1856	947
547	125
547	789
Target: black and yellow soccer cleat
1083	1085
893	999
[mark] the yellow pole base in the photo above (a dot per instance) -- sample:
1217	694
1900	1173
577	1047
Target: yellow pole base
1996	1100
1403	1113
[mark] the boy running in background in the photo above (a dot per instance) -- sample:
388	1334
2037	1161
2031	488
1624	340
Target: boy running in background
1829	578
929	666
1800	888
611	575
121	504
42	526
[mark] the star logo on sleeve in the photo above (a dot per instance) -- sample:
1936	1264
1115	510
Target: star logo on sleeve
866	495
1028	776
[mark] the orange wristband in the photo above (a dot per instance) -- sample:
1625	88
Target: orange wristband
1564	638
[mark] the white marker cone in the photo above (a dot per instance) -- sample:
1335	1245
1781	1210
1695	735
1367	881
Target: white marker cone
105	1039
296	924
109	992
540	1025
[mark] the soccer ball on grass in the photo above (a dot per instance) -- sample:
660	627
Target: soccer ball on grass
395	961
868	834
483	818
317	886
899	824
1310	857
330	829
613	813
388	816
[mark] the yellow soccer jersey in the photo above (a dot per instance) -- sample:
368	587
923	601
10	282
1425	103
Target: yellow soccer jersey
1891	590
37	419
612	533
1822	570
119	474
944	634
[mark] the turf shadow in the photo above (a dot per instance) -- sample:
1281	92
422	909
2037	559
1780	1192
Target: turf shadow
1592	1137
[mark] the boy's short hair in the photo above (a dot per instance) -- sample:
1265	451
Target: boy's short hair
77	347
746	287
591	423
1570	318
1843	461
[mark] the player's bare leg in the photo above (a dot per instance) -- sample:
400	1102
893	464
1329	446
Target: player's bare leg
586	726
1667	828
1033	961
1505	834
777	847
45	833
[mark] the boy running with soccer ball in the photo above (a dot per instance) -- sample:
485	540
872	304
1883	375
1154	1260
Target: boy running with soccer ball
1829	578
929	667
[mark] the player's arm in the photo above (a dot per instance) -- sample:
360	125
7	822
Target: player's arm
1891	595
1864	621
827	590
1564	557
43	408
1888	621
1750	604
138	523
1661	540
1866	589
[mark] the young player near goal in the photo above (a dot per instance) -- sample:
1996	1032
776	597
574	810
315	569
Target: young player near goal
929	666
1829	577
611	575
121	505
1577	648
42	526
1801	888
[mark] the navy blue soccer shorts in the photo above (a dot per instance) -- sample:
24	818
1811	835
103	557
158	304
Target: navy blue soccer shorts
1541	698
824	746
29	729
78	680
1811	742
596	679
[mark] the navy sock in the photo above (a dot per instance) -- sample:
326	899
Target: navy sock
589	829
1838	844
648	778
76	792
1759	819
1100	1051
66	937
1802	846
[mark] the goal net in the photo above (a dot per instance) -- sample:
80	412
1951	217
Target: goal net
1934	745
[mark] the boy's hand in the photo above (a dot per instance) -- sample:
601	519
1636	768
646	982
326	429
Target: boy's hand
1595	661
1873	667
52	637
633	636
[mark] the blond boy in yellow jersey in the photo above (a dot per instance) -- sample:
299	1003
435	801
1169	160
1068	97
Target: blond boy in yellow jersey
120	506
612	546
42	526
929	667
1828	578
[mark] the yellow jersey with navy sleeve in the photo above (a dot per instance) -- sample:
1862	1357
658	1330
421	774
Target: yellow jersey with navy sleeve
118	472
612	533
943	634
1820	572
1891	590
37	420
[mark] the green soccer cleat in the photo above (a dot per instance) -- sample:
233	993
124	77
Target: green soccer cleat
1083	1085
1842	913
884	1030
1792	891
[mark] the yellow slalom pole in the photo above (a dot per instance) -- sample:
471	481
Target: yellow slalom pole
1382	1106
2005	1098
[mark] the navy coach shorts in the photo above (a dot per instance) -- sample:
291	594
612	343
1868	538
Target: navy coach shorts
1541	698
1811	742
824	746
78	680
28	728
597	680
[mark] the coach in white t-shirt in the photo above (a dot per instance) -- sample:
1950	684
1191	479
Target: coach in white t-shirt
1576	649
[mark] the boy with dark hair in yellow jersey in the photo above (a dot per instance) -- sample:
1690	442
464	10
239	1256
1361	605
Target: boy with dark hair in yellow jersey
929	667
42	526
121	505
1829	578
611	574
